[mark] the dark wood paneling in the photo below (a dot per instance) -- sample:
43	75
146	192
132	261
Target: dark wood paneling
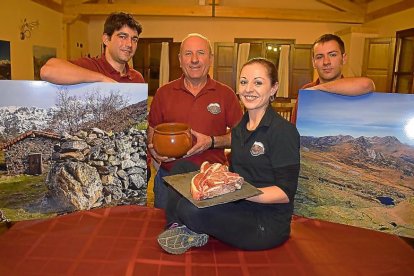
301	68
225	63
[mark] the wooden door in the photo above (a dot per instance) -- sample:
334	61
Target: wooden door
225	63
147	60
35	164
378	62
301	67
175	69
403	72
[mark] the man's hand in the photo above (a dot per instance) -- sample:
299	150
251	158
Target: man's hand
156	157
203	143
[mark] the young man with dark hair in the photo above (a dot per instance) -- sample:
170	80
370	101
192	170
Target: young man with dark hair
120	39
328	58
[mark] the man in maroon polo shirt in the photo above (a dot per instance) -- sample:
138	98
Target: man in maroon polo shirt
120	38
208	106
328	58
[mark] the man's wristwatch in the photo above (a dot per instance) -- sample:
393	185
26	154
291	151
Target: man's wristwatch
212	142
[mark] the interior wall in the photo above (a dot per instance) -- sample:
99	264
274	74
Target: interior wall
220	30
78	41
354	39
48	34
52	32
225	30
387	26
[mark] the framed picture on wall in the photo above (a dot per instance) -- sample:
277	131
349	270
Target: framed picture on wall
40	56
5	62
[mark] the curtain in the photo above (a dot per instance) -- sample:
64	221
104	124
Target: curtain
164	65
242	57
283	72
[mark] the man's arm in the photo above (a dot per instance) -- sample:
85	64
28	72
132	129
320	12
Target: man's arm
60	71
347	86
223	141
204	142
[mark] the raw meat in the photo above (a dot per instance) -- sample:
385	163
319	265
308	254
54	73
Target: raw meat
214	180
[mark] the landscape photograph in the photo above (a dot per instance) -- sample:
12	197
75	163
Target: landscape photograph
5	63
357	160
69	148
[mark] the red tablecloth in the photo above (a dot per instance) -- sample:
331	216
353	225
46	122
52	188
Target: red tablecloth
122	241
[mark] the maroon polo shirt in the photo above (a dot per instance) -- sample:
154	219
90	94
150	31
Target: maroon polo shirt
101	65
214	109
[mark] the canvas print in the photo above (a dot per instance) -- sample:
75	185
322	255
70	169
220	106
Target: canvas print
357	160
40	56
69	148
5	63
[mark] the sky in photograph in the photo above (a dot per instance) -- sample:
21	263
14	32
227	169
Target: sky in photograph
374	114
43	94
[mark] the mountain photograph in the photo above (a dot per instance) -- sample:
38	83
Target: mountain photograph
357	160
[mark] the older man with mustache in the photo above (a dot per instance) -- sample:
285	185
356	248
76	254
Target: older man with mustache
209	107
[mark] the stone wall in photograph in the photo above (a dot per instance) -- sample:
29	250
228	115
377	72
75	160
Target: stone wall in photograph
98	168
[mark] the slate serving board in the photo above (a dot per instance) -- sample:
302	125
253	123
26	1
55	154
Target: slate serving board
181	183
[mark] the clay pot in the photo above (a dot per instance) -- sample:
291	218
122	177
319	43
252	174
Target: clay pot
172	139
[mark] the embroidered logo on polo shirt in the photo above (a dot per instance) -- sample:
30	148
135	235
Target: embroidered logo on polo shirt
257	149
214	108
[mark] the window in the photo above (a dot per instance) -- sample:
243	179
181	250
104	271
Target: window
268	48
300	63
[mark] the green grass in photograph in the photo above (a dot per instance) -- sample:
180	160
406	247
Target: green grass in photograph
141	125
19	196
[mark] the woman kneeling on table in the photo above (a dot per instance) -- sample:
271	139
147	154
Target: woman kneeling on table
265	152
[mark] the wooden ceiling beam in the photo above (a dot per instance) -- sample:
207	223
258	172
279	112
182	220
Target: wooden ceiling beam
288	14
389	9
350	12
379	4
151	10
344	5
360	1
74	2
50	4
220	12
